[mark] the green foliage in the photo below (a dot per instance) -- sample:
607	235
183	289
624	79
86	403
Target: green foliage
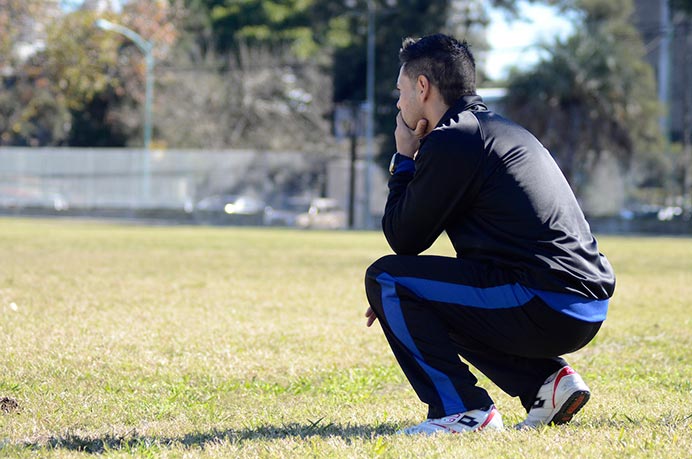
266	23
682	5
407	18
49	96
31	114
95	79
329	35
13	16
593	94
78	56
77	87
332	33
64	78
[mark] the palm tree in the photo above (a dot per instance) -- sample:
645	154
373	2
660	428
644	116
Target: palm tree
592	95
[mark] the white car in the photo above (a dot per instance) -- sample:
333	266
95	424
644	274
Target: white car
324	213
286	212
225	209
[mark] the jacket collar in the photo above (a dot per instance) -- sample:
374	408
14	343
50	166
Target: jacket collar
470	102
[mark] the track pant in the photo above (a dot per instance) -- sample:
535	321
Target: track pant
434	309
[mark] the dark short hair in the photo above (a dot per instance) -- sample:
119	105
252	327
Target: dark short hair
446	62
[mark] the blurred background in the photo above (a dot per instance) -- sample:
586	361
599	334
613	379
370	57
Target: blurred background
265	112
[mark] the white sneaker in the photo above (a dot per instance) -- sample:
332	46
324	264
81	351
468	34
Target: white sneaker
461	422
558	400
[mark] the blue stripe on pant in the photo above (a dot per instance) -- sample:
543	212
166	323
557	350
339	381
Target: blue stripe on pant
500	327
451	401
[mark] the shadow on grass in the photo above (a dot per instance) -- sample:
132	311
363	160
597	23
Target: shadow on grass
135	442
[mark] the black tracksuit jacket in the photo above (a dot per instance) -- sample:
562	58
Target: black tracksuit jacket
501	198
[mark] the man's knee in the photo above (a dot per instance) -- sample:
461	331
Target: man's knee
387	264
373	288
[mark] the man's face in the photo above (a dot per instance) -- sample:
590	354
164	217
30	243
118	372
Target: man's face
408	103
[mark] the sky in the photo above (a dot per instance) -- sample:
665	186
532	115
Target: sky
513	43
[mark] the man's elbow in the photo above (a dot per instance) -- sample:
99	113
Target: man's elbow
404	246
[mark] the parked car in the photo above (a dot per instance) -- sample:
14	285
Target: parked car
286	211
324	213
228	209
21	198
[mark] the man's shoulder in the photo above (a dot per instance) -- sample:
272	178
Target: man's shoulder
492	123
457	141
464	122
454	132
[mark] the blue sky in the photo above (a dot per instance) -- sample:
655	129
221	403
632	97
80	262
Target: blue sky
513	43
69	5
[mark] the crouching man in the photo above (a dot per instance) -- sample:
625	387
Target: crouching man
528	283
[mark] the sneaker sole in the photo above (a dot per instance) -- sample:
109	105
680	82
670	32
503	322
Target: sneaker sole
574	403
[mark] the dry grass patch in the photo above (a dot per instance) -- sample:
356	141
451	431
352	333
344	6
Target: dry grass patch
237	342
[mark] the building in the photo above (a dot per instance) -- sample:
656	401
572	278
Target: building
668	42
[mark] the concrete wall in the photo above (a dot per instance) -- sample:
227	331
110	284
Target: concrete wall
103	179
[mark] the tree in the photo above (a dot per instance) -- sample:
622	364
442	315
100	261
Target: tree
261	90
302	26
683	6
94	79
333	34
262	100
592	97
112	116
16	17
76	88
396	19
267	64
77	59
29	112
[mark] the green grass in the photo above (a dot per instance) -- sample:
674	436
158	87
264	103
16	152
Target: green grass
226	342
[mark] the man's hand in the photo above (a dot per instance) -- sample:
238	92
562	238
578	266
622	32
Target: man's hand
370	314
407	139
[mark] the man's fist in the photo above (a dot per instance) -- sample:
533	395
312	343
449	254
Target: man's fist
407	139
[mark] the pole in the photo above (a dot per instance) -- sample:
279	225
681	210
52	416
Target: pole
370	120
148	97
353	137
664	67
148	102
147	49
687	117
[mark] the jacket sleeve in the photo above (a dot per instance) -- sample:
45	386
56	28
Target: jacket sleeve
420	203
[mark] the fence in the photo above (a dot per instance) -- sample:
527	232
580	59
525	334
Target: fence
135	182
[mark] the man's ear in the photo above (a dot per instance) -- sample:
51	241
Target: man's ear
422	87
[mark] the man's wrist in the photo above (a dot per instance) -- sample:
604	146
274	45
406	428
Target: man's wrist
401	163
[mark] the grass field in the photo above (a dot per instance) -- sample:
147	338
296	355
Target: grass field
137	341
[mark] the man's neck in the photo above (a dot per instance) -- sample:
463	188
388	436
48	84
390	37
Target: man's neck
434	112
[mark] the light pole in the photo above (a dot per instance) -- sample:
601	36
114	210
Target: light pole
369	105
147	48
370	113
664	66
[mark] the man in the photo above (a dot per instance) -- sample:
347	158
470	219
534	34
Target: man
528	283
